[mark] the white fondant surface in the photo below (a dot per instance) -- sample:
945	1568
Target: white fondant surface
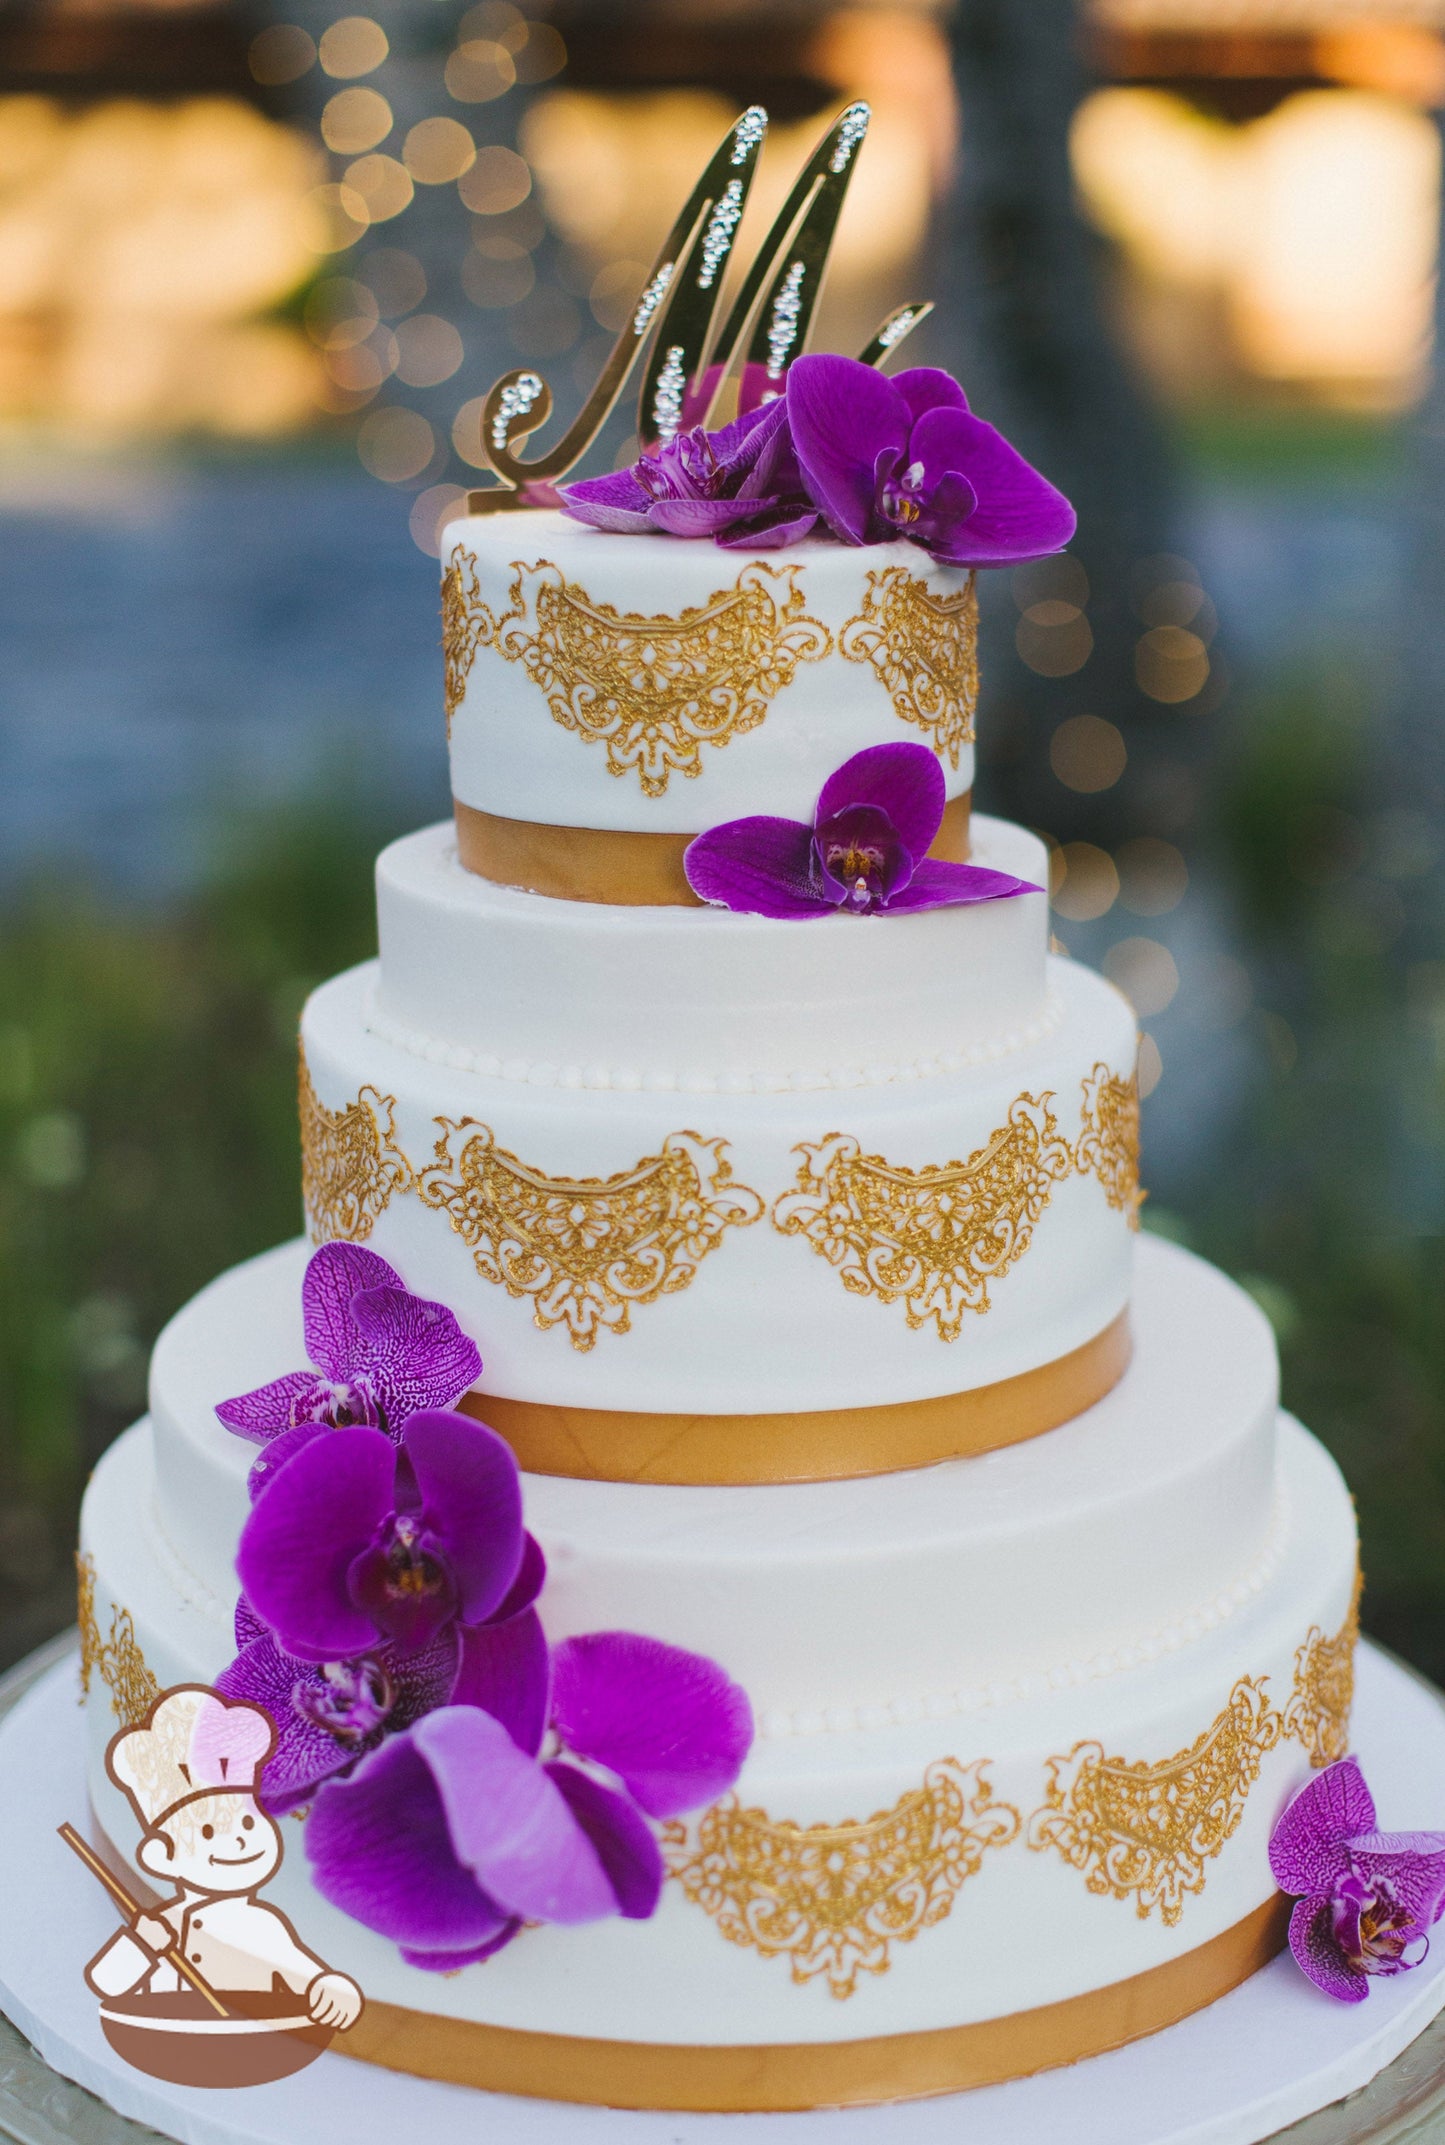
1269	2053
766	1323
1117	1539
1024	1930
509	755
483	977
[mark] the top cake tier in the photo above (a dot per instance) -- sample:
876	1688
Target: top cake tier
649	685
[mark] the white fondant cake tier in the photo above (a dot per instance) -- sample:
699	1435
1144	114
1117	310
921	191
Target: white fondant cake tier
1120	1538
494	981
650	683
996	1887
692	1248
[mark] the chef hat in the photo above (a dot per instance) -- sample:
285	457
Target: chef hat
191	1742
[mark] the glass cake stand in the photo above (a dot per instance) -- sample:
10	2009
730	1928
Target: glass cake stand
1403	2105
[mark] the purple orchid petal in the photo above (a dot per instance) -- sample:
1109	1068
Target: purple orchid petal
505	1670
335	1274
616	502
765	535
925	387
672	1725
759	866
1306	1849
509	1823
381	1850
937	884
303	1533
246	1624
697	517
471	1505
452	1962
270	1408
417	1356
524	1589
905	781
750	441
944	440
1019	514
621	1838
281	1449
1316	1952
305	1754
843	415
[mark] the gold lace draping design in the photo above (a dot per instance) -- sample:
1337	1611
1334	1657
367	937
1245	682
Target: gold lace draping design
586	1249
835	1899
117	1660
351	1166
1318	1715
1108	1144
467	625
931	1238
1147	1831
655	690
924	649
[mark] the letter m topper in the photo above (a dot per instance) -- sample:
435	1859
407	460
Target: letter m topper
689	356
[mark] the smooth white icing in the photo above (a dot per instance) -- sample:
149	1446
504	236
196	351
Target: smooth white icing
833	1601
510	756
766	1323
1024	1931
513	985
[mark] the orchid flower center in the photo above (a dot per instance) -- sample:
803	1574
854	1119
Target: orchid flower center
413	1566
860	869
902	497
355	1699
1371	1926
339	1404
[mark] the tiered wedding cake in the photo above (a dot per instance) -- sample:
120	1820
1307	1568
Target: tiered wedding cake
801	1254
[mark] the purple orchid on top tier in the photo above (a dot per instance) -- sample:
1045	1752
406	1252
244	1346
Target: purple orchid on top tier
907	457
1364	1899
449	1837
866	851
380	1355
877	458
740	485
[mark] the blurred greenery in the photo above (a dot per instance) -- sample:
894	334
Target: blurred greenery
148	1140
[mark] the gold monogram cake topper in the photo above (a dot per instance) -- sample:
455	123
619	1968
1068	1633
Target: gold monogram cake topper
689	358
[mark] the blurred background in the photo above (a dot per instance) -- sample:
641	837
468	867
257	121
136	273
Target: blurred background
258	267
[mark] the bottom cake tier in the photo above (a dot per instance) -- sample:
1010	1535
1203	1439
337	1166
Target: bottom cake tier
896	1900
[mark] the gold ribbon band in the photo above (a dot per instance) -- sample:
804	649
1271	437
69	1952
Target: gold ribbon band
610	1445
623	869
826	2074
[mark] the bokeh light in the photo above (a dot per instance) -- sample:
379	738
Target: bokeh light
353	46
1083	881
282	53
1087	754
355	119
437	151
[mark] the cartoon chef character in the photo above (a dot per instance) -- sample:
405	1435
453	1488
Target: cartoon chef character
189	1772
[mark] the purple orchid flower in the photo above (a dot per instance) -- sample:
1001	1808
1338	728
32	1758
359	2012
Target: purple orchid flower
1364	1899
380	1355
885	458
741	485
866	851
449	1837
359	1541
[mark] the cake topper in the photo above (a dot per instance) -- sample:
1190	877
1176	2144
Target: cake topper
688	358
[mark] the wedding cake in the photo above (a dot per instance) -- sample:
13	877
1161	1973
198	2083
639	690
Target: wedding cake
717	1127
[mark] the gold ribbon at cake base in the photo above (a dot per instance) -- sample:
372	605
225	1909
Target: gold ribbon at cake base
816	2074
619	868
824	1445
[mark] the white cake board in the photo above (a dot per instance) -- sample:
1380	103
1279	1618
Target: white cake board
1263	2057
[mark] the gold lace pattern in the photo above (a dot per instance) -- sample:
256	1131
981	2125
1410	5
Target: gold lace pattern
586	1249
467	625
655	690
117	1660
351	1165
1108	1144
924	649
1318	1715
931	1238
835	1899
